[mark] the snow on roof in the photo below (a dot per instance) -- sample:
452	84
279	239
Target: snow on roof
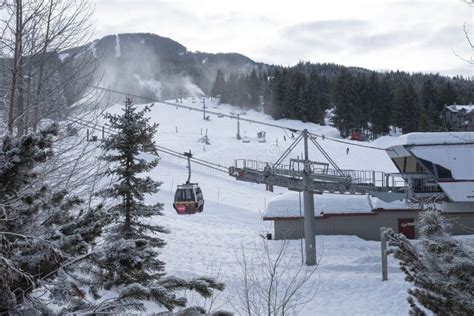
287	204
395	205
456	108
434	138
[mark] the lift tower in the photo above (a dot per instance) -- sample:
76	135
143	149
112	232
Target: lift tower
313	177
308	198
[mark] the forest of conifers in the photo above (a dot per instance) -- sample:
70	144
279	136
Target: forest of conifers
365	101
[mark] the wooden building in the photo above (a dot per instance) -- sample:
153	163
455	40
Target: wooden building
364	224
459	118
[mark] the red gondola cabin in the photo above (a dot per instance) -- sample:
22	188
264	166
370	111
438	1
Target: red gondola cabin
188	199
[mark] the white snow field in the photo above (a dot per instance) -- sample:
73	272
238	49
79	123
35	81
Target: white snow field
348	279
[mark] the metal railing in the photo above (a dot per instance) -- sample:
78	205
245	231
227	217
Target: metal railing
320	172
425	186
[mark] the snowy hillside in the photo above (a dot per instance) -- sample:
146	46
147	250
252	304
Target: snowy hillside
348	279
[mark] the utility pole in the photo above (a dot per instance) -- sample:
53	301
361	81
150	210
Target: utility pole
308	198
204	109
238	127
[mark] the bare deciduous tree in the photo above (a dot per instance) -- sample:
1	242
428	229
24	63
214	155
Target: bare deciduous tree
273	281
42	47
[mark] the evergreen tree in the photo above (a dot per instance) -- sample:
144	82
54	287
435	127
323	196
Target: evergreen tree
441	268
219	84
229	93
277	96
45	239
366	99
407	110
131	255
313	99
301	106
361	99
254	87
447	96
428	119
381	113
324	88
242	92
344	102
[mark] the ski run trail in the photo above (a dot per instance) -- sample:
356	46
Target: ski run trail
348	279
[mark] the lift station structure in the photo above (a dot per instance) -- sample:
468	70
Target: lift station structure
313	177
439	165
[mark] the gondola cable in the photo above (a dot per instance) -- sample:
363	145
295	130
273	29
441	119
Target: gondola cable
234	116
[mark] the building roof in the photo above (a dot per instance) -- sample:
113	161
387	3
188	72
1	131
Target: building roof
434	138
288	205
456	108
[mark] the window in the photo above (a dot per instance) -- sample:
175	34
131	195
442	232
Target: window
199	193
438	171
443	173
184	195
428	164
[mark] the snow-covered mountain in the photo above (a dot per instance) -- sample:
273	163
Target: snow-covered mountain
125	61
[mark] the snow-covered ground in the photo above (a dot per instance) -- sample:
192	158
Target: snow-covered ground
348	278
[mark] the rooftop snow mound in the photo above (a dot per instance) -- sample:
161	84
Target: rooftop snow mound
287	204
434	138
456	108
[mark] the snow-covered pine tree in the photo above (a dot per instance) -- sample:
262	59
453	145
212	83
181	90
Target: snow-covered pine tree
40	236
440	267
131	257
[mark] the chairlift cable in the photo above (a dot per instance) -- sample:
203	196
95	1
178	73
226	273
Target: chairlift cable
160	148
234	117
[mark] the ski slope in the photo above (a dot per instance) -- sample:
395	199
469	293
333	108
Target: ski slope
348	279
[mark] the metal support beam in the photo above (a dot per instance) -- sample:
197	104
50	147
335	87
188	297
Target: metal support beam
189	155
315	178
309	231
204	109
238	127
308	198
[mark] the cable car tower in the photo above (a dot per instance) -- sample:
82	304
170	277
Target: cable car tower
312	177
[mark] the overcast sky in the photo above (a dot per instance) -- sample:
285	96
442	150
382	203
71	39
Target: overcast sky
417	35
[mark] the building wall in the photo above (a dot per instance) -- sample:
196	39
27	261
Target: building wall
457	207
365	226
457	119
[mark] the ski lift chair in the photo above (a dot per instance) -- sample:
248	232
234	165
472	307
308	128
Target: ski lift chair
245	139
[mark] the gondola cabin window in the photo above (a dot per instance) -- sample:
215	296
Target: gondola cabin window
199	193
184	195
